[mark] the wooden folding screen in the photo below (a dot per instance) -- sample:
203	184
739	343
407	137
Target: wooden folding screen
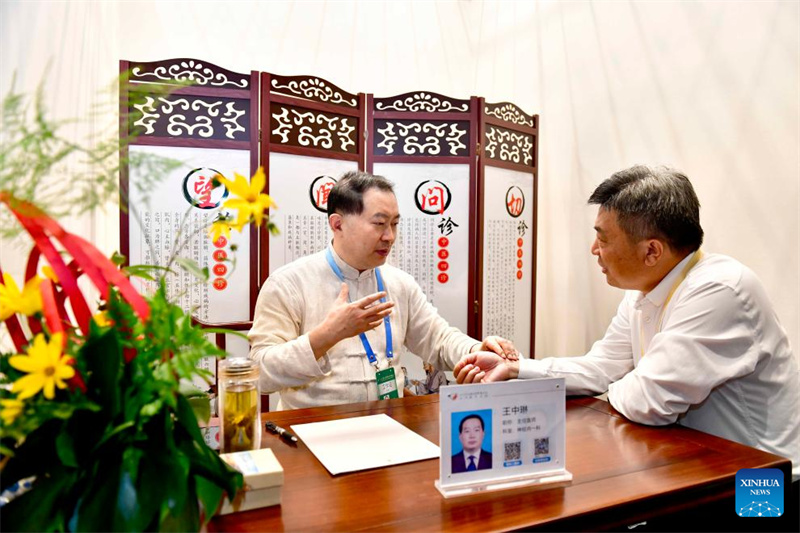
465	173
312	133
507	176
425	143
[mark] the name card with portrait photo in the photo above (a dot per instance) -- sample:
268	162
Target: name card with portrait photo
502	435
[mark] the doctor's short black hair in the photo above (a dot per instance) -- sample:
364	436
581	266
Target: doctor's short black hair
347	196
473	416
653	203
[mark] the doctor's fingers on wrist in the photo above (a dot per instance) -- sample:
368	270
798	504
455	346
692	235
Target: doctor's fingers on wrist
491	345
507	346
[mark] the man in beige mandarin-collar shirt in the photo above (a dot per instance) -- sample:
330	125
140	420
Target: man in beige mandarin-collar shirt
307	320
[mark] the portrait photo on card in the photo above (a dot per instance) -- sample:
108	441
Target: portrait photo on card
471	441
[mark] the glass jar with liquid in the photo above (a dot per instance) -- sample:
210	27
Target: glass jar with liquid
239	405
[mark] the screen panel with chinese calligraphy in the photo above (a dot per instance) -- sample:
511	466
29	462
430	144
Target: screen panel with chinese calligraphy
433	241
508	245
300	185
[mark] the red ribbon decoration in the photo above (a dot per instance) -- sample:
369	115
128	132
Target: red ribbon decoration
86	259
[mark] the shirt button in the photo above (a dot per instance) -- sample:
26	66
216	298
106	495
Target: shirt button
647	319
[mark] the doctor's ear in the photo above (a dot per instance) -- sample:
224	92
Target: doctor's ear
335	222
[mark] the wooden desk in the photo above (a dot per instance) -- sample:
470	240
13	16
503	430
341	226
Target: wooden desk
623	473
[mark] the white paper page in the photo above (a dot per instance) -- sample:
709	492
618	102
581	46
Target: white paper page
353	444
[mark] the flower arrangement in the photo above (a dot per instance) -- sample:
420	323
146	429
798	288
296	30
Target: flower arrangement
97	419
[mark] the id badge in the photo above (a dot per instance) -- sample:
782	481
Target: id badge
387	384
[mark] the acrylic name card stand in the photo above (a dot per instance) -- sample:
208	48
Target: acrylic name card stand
502	435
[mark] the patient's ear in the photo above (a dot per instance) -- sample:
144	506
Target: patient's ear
653	252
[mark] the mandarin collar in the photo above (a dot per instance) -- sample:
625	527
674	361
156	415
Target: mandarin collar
658	295
349	272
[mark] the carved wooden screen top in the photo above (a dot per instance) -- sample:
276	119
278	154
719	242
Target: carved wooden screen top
312	116
510	137
420	124
190	100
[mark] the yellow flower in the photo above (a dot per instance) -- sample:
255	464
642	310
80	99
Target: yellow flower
49	273
219	228
250	201
11	410
102	320
47	368
13	301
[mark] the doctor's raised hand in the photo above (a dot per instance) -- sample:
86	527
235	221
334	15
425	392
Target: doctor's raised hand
348	319
485	367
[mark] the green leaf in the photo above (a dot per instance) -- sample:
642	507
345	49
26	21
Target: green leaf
226	331
207	463
185	417
201	406
175	477
103	356
210	495
118	259
147	272
97	508
190	266
65	447
198	400
151	409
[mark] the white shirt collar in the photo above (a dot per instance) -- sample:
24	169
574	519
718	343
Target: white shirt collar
657	296
476	455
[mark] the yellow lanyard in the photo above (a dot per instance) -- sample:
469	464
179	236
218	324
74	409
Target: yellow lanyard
698	255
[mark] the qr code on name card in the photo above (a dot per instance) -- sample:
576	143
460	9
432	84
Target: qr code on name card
512	451
541	446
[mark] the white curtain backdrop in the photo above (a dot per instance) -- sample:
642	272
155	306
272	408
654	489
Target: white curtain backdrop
709	87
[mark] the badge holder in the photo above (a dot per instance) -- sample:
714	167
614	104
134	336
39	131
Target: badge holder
387	384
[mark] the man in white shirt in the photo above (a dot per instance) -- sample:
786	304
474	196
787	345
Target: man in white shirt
695	340
329	328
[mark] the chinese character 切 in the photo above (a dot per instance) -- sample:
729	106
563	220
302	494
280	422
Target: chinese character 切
515	205
446	226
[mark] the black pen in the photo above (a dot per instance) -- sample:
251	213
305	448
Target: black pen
285	435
